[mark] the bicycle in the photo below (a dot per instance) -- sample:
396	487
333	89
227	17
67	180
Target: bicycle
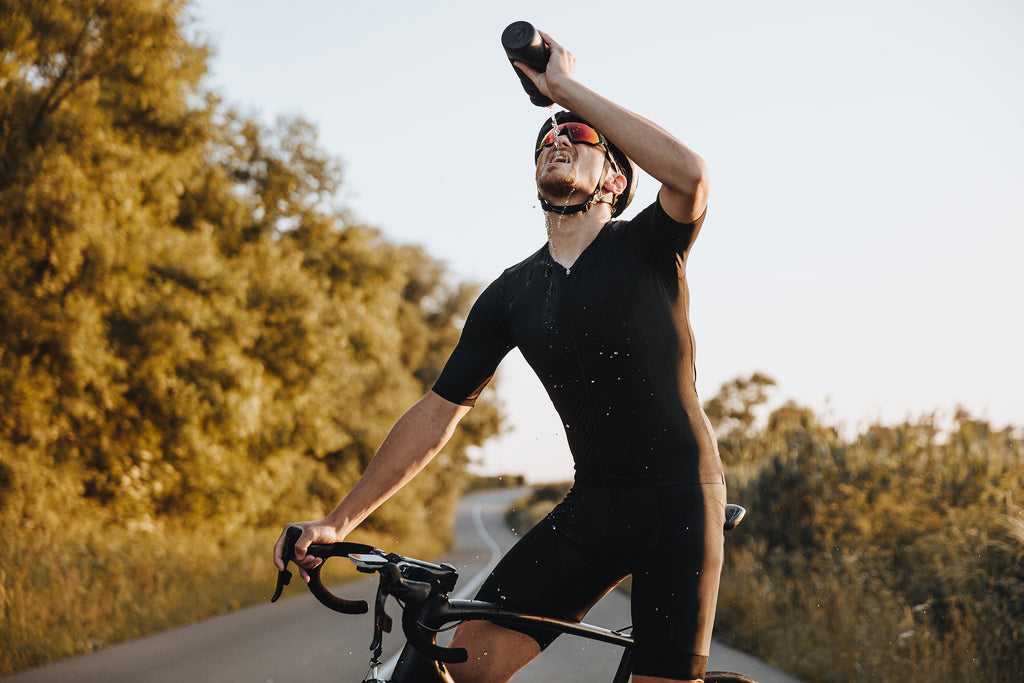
422	590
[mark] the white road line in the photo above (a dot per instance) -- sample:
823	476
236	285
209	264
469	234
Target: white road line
388	667
492	545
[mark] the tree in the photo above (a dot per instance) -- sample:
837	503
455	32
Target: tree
98	136
196	342
188	325
732	413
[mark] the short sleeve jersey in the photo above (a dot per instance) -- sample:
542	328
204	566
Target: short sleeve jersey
610	340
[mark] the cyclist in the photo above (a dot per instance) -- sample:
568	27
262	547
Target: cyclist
601	315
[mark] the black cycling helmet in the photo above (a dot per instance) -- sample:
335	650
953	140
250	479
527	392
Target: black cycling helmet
624	164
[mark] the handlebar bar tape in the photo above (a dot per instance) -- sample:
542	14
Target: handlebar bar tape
316	586
329	599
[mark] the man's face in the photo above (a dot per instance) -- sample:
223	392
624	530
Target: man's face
564	168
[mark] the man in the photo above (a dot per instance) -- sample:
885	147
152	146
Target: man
601	315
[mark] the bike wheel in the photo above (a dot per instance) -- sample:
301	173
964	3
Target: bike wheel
726	677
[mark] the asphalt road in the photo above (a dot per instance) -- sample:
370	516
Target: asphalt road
297	640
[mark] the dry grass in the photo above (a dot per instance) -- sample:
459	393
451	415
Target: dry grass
61	597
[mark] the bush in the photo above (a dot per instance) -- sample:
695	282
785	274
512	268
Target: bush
898	555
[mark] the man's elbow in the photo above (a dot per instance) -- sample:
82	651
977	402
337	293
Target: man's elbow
702	191
699	180
686	198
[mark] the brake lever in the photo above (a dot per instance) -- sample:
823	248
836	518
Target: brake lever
284	577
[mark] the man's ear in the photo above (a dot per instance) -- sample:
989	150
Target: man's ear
614	183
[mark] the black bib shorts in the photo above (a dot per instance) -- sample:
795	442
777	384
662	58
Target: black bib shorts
669	538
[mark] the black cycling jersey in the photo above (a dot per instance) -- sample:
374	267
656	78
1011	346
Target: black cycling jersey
610	340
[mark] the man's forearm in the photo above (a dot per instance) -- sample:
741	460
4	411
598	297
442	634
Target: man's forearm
412	443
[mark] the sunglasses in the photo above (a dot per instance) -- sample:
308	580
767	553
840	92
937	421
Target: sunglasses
579	133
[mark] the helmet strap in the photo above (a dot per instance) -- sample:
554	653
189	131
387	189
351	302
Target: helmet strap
565	209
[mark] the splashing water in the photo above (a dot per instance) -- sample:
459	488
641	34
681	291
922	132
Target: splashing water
547	216
551	239
552	230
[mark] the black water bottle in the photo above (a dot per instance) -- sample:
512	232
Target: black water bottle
523	44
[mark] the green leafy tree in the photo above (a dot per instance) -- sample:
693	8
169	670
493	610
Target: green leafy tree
196	342
97	139
733	414
190	328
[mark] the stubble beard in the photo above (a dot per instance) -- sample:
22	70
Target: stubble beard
557	186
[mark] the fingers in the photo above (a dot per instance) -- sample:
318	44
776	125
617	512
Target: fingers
311	533
302	544
527	69
278	551
558	52
561	66
303	560
550	41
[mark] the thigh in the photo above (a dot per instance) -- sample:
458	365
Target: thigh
560	568
675	584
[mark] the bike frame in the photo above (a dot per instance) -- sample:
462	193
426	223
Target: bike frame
415	667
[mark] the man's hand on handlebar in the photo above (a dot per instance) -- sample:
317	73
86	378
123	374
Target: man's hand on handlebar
312	533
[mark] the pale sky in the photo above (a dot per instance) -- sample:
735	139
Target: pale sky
865	231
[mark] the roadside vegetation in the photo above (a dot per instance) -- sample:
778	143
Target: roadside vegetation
196	342
894	555
525	512
494	482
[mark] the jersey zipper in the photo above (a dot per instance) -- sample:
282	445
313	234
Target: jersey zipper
570	292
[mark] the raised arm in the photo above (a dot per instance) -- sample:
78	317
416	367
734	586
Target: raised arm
412	443
681	172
